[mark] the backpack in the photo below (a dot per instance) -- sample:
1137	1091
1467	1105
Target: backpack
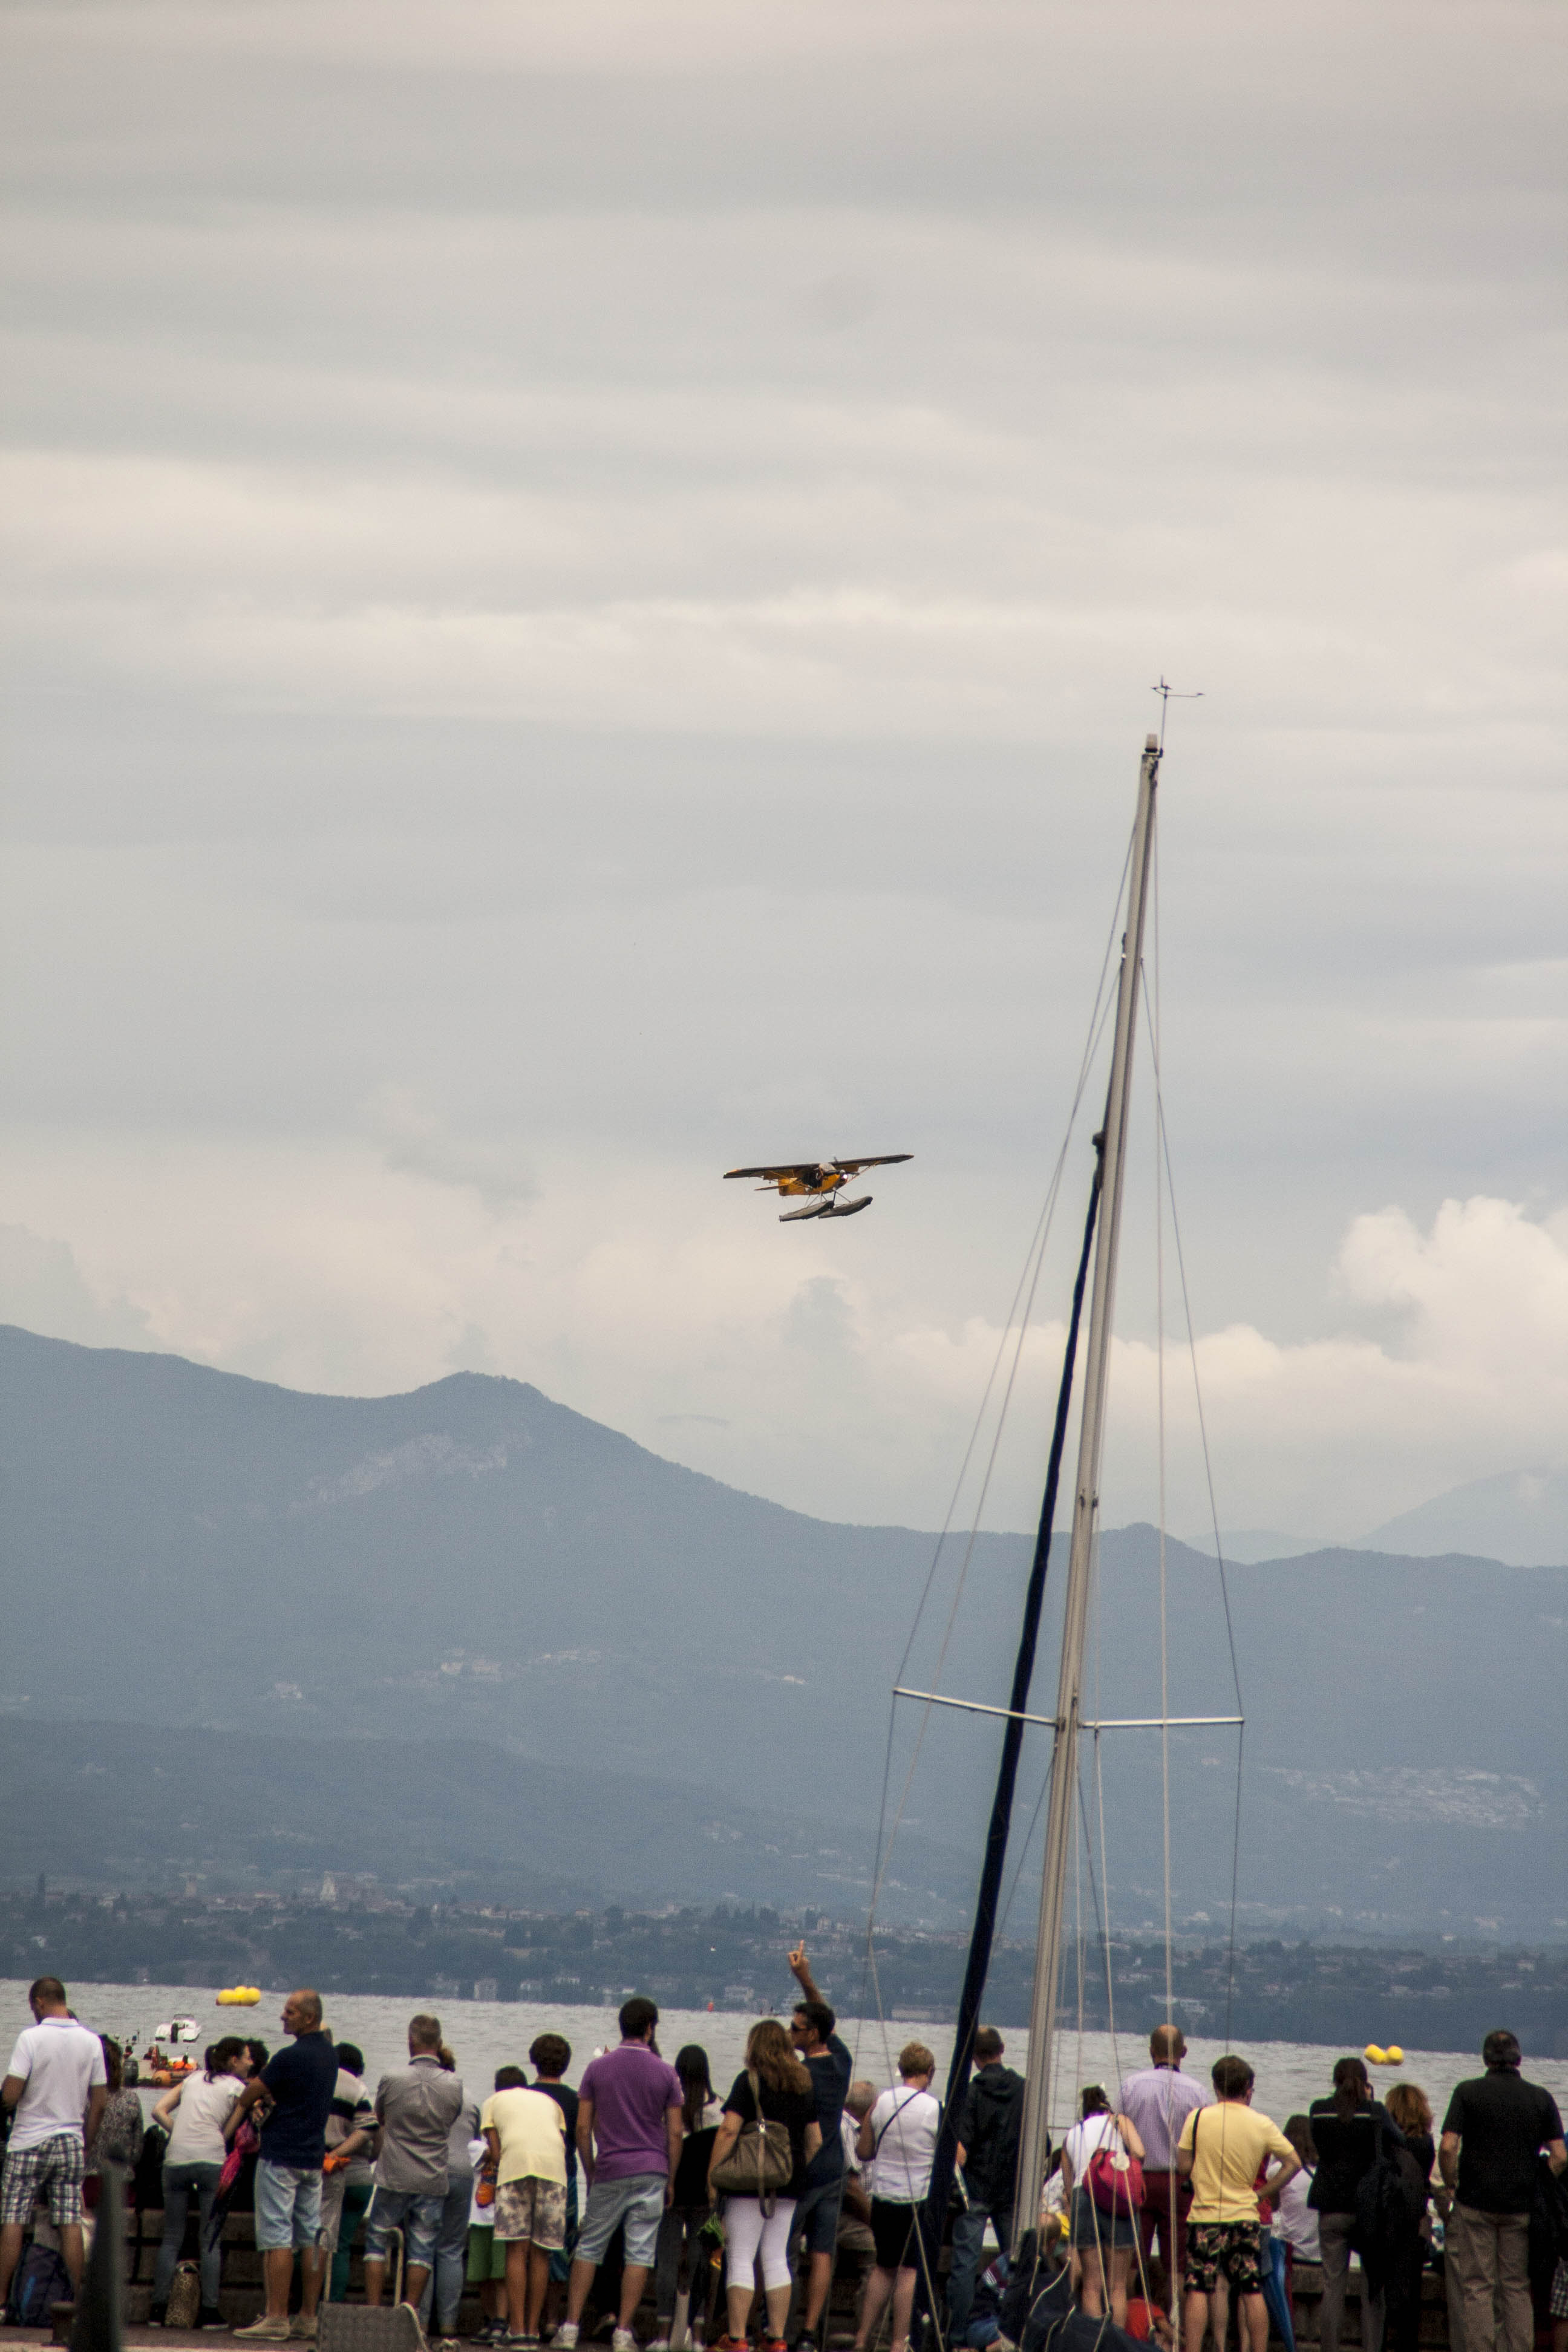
761	2160
1036	2298
42	2281
1389	2202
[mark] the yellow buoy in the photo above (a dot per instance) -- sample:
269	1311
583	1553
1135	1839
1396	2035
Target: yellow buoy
1395	2055
239	1997
1373	2056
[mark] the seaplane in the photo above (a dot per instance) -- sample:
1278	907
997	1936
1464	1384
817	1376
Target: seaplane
818	1182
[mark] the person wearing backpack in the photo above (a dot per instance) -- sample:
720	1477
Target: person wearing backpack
987	2158
1351	2131
769	2121
1103	2240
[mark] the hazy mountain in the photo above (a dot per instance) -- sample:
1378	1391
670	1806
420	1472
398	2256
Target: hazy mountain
1522	1517
135	1804
1251	1545
473	1562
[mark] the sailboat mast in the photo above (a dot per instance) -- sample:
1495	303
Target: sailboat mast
1086	1498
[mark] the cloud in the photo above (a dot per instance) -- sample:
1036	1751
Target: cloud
414	1142
785	1363
597	623
1466	1374
43	1289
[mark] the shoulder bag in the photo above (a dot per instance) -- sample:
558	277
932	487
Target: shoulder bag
761	2160
1114	2179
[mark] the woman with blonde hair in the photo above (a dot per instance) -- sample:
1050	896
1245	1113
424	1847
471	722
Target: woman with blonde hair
901	2134
773	2089
1411	2110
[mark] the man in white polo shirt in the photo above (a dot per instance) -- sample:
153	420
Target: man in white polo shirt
57	2083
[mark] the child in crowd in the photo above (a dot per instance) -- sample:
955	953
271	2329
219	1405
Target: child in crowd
525	2136
487	2259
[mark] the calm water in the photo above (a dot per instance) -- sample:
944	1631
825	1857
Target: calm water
488	2034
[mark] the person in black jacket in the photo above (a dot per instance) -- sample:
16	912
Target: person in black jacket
1350	2132
988	2158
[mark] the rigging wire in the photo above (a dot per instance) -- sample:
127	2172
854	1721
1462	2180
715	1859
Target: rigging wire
1025	1290
1162	1133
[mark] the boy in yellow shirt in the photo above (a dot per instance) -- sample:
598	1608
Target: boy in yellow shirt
525	2134
1224	2150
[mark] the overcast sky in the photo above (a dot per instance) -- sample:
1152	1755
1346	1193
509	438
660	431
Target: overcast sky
583	587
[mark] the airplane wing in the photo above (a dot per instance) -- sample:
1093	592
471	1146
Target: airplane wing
879	1159
771	1175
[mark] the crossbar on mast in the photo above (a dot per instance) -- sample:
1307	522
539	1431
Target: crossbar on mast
1053	1723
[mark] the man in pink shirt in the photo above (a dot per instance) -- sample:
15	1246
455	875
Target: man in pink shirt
629	2112
1159	2098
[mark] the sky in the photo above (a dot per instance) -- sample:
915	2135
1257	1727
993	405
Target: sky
581	595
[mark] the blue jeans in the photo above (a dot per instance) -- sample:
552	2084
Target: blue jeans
417	2213
637	2199
445	2284
179	2179
968	2237
1276	2300
288	2206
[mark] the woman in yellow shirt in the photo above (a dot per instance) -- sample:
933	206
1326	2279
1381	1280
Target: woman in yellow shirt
1223	2151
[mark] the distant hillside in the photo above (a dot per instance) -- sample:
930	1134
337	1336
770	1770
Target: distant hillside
1522	1517
132	1804
473	1562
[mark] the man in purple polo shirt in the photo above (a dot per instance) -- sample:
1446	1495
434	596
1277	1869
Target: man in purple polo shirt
629	2113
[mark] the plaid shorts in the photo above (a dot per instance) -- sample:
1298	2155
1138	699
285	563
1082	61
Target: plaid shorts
55	2164
1560	2292
1218	2249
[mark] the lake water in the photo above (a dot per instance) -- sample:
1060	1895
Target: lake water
485	2035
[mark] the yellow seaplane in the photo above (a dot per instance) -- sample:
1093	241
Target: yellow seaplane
819	1183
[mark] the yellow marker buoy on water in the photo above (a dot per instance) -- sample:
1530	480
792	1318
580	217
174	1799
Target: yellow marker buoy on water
1373	2056
1395	2055
239	1997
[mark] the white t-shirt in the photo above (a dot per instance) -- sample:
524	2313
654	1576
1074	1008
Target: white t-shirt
1294	2219
61	2064
1085	2139
201	2110
480	2217
904	2126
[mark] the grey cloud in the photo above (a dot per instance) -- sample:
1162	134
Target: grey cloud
42	1287
413	1140
584	600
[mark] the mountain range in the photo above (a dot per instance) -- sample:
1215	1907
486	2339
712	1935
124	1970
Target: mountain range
625	1679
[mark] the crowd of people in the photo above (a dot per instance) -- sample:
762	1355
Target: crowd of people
1232	2201
1162	2210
